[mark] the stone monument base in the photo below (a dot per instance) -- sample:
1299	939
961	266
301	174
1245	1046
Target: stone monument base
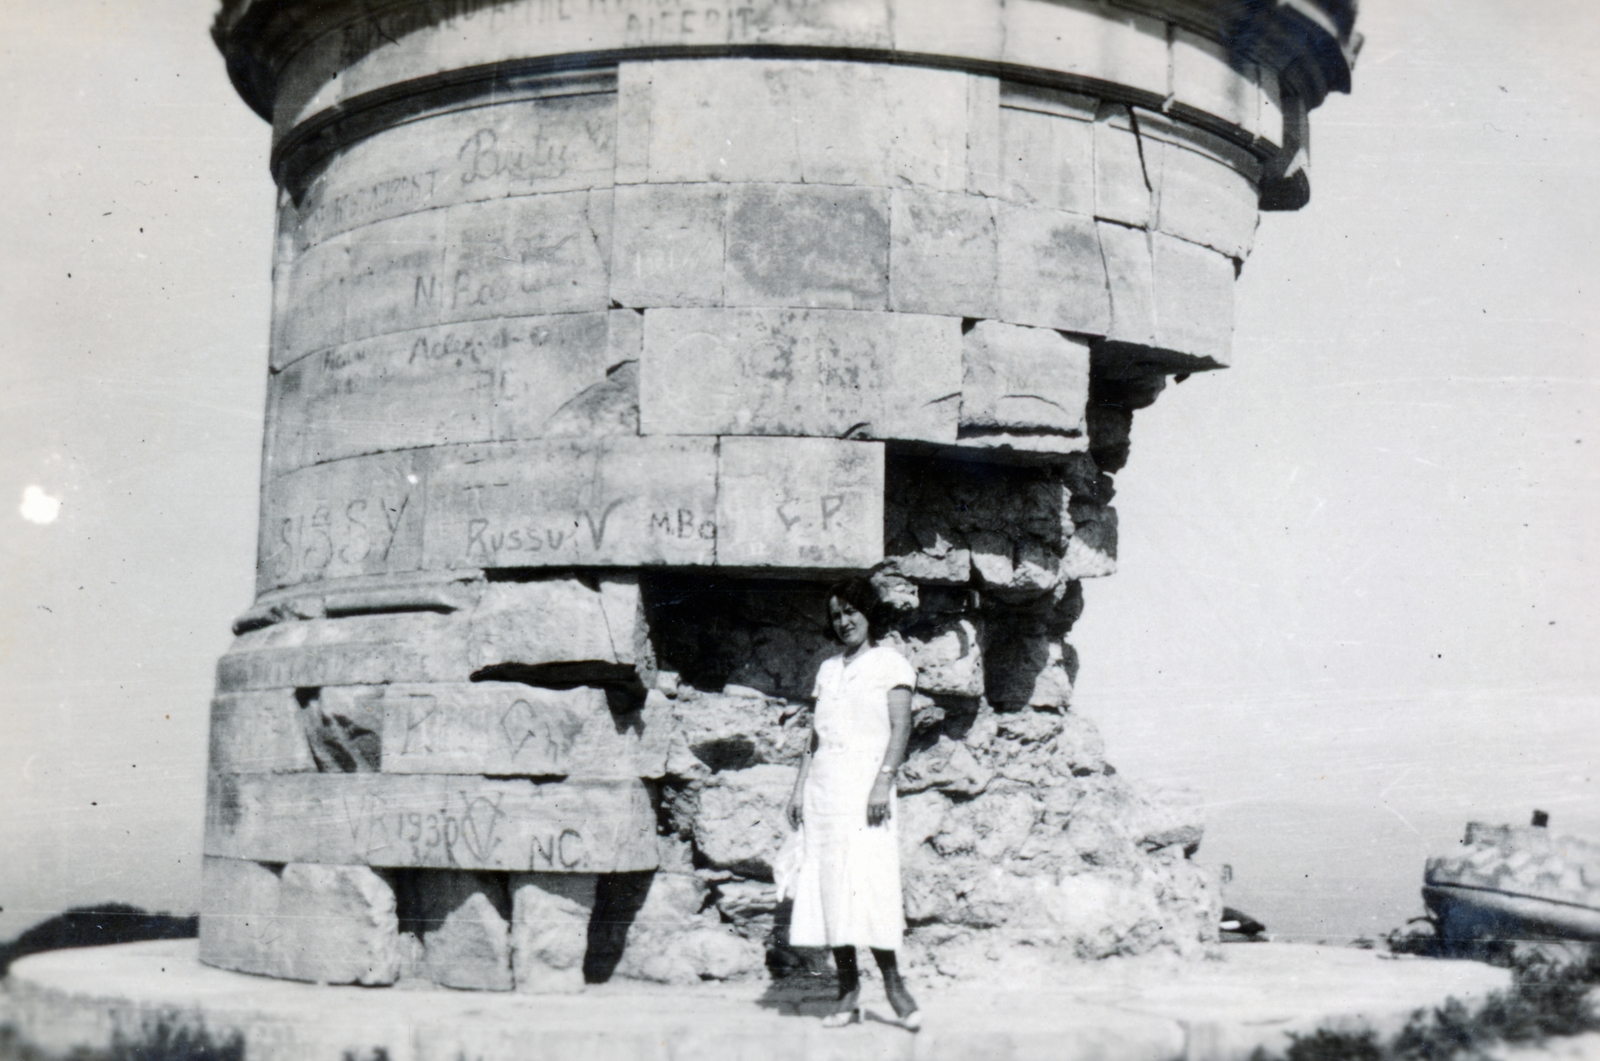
1152	1008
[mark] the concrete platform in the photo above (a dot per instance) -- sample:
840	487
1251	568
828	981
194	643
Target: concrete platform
1148	1009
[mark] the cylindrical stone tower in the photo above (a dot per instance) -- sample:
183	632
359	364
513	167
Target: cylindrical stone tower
605	334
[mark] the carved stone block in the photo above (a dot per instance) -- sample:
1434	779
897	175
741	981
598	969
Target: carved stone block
852	123
1130	274
1206	78
972	30
342	519
1194	299
799	502
258	733
559	143
360	650
1080	37
436	821
943	256
1051	273
822	373
619	501
557	621
669	243
807	246
331	924
1123	184
1047	143
1206	201
530	255
507	729
1023	380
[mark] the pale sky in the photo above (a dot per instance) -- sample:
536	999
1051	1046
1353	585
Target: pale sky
1356	604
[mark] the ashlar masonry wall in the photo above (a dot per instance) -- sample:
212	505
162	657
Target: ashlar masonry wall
605	335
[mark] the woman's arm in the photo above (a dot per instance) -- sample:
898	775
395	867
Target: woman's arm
899	734
794	811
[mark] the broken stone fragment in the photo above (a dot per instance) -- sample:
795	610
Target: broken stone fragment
550	930
462	921
947	656
343	727
1029	669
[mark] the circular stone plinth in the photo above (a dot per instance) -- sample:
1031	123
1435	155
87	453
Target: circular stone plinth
1151	1008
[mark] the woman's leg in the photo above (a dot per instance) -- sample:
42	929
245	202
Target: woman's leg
900	998
844	959
848	1009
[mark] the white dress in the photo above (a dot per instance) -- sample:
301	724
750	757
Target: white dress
847	891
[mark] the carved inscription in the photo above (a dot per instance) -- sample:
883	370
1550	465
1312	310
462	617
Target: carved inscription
307	544
469	382
609	23
800	502
507	729
439	821
817	373
344	518
620	501
562	143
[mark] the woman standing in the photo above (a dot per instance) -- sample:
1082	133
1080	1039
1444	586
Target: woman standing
847	891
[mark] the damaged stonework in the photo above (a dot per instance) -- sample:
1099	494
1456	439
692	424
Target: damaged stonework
600	347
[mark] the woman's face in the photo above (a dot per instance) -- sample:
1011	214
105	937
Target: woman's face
849	625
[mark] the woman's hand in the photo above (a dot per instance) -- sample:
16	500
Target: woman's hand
878	801
792	812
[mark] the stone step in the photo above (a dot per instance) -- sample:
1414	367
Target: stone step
1149	1009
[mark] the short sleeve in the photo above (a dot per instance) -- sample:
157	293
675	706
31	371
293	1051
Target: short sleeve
896	670
816	685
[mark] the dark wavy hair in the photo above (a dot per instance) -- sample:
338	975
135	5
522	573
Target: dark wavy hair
858	592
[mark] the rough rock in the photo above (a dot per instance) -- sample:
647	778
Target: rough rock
947	766
738	824
1037	858
727	732
1029	670
461	920
549	934
672	940
750	906
1523	860
947	655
